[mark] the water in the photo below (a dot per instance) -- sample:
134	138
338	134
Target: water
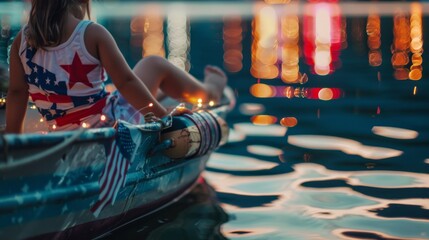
344	155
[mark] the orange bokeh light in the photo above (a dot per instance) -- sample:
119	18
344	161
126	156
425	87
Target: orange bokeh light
263	120
261	90
289	122
415	74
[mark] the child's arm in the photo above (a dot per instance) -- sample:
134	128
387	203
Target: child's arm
125	80
17	94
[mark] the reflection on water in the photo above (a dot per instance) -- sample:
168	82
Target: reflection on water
392	132
347	146
329	139
196	216
313	202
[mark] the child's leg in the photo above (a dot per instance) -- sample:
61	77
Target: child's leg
159	74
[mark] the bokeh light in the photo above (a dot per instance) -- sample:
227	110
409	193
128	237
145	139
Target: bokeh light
289	122
232	46
265	43
263	119
261	90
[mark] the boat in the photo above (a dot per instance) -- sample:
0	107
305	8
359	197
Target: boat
84	183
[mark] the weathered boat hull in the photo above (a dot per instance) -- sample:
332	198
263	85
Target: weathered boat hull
53	195
73	218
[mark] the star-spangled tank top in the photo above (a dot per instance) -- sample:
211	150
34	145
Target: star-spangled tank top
66	83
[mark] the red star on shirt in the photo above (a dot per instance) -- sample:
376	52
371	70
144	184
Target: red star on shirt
78	71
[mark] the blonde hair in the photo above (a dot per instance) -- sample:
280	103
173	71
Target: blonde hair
46	21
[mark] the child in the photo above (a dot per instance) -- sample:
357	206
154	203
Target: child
58	60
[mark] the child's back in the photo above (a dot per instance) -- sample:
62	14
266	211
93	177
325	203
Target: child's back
66	82
59	62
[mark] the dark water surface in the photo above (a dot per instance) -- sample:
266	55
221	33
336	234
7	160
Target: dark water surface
338	151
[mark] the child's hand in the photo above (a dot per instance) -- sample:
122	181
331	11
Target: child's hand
150	117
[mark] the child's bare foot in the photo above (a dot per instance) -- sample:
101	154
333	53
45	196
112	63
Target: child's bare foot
215	79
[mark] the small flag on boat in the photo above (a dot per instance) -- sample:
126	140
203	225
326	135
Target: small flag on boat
119	156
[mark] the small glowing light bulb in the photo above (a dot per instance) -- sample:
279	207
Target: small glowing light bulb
150	105
211	103
41	120
54	126
103	118
199	105
200	100
85	125
181	106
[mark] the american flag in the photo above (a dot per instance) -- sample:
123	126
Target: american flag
119	155
54	94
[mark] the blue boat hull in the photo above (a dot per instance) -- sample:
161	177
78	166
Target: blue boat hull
49	185
81	223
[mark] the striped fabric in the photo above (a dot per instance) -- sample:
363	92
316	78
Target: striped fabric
112	178
119	156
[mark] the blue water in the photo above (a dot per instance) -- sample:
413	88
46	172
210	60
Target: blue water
355	167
